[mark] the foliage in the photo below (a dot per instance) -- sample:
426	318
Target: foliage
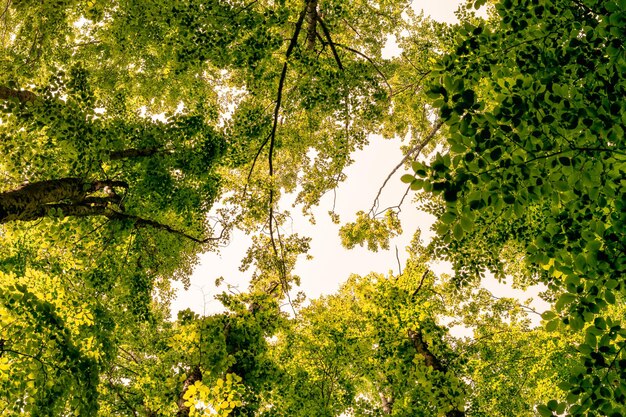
122	124
533	102
379	346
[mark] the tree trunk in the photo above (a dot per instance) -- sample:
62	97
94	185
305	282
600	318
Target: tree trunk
422	348
387	403
22	96
431	360
194	375
33	201
311	23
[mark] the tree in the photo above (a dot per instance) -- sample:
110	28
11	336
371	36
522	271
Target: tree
379	346
116	143
123	124
533	102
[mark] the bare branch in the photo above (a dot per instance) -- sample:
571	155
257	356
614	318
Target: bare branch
398	259
419	287
412	153
141	222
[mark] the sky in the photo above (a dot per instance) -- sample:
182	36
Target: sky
332	264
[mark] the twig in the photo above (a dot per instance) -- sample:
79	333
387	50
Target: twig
416	149
419	287
398	259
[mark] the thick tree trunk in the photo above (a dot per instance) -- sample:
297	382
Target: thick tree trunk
22	96
33	201
70	197
311	23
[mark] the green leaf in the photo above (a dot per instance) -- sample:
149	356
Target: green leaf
458	232
580	262
407	178
417	184
448	217
552	405
563	300
552	325
544	411
467	224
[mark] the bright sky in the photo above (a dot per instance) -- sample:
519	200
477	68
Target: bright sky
331	264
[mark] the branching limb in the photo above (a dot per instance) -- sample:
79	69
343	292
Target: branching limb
141	222
371	61
272	139
330	42
272	136
412	153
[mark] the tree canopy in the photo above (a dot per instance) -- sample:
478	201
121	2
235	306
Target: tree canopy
137	135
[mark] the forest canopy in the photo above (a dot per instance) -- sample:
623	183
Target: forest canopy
137	135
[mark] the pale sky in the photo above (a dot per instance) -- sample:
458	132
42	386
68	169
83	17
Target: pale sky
331	264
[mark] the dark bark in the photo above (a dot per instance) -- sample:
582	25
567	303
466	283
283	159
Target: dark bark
70	197
141	222
331	43
33	201
194	375
311	23
22	96
421	347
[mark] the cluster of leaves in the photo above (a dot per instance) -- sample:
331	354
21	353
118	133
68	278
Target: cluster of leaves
534	105
122	124
379	346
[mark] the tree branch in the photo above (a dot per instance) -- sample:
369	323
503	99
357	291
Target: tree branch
141	222
330	42
371	61
411	153
272	136
134	153
419	287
